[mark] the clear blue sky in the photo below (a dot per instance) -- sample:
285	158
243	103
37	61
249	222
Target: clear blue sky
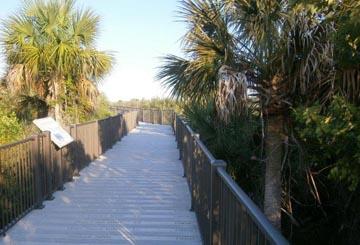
138	32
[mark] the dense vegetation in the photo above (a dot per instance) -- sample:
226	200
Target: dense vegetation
273	88
53	67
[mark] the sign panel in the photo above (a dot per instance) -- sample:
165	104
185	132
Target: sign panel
58	135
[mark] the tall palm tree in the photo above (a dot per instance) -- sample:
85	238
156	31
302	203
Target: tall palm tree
53	42
291	56
281	51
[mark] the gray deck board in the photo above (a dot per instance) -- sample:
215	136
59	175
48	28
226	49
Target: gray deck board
133	194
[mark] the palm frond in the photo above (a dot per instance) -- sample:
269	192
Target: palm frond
308	62
173	77
208	44
54	43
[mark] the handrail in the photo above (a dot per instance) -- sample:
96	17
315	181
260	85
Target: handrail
259	218
31	170
138	108
28	139
151	115
209	155
84	123
226	215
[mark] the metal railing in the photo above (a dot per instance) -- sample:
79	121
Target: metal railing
153	115
32	169
226	215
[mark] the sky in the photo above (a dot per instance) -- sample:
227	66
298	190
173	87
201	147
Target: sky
138	33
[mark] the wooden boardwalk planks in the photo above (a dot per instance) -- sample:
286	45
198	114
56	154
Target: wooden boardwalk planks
133	194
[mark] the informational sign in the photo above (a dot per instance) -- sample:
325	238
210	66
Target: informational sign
58	135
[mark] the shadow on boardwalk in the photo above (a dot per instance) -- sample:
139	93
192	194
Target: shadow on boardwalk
134	194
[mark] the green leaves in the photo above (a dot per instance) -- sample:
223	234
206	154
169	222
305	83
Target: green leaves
332	138
50	37
10	128
53	42
235	142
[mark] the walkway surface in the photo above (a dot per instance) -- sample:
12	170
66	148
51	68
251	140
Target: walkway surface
133	194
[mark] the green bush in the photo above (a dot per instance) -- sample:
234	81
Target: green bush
322	177
236	142
332	139
10	127
103	108
85	111
324	143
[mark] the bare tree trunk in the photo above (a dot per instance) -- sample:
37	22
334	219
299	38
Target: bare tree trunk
274	152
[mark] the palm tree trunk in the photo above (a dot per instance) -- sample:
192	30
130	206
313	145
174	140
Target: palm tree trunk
274	151
58	114
53	100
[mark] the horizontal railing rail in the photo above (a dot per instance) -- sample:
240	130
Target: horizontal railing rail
151	115
226	215
32	169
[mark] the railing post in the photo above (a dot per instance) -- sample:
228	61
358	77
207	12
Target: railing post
122	126
74	134
173	116
98	135
38	179
66	160
214	202
191	164
152	116
181	140
59	164
184	158
48	166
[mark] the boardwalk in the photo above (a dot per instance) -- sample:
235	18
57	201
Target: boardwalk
134	194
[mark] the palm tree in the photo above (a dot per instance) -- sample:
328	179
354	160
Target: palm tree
49	42
281	52
302	71
208	45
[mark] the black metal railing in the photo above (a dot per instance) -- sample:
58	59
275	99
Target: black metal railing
226	215
32	169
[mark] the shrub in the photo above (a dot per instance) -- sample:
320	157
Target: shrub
10	127
332	139
236	142
322	179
